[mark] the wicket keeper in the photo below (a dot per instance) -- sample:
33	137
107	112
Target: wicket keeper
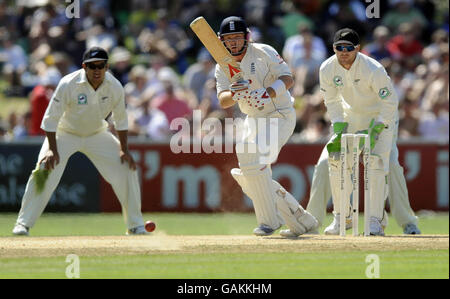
359	97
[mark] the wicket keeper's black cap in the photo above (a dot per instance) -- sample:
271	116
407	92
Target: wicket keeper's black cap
346	36
94	54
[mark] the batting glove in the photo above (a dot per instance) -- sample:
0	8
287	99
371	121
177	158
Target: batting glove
240	86
259	98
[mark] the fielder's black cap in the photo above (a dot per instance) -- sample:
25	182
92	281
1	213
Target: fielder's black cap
233	25
345	36
94	54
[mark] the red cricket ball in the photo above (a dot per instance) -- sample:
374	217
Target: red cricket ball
150	226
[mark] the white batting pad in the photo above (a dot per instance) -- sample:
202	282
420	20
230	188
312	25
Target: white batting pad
378	192
257	184
296	218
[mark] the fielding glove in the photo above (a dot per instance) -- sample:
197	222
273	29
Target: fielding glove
40	175
375	129
334	147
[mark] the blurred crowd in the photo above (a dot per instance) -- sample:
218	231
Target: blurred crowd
167	73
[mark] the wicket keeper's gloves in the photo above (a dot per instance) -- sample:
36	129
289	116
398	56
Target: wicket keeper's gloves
375	129
40	175
334	147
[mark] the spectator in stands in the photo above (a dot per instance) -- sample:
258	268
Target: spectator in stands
134	89
434	125
170	104
305	67
409	119
3	131
209	102
377	48
317	129
14	62
403	11
292	20
166	38
437	91
120	64
405	44
39	99
295	45
198	73
22	128
63	63
153	123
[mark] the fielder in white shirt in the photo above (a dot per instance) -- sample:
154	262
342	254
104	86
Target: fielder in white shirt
263	95
359	97
75	121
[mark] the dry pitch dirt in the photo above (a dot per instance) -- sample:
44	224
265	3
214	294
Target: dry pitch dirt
18	247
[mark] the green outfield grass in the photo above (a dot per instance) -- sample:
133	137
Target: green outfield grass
333	265
211	264
111	224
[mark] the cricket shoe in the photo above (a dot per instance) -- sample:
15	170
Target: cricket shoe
333	228
287	233
411	229
20	230
138	230
263	230
375	227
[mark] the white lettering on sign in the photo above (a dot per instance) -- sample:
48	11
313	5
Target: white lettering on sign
191	178
295	176
442	179
412	163
10	165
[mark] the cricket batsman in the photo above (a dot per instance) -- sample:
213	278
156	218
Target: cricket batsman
359	97
75	122
263	95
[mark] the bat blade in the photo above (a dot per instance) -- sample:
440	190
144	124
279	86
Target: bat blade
216	48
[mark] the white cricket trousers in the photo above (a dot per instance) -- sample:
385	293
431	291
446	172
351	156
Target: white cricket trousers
103	151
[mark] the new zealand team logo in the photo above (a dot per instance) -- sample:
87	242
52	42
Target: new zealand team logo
338	81
384	93
82	99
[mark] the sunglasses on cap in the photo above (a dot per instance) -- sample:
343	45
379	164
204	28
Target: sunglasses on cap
341	48
93	66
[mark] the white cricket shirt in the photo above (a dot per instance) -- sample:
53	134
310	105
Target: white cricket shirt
263	66
77	108
359	94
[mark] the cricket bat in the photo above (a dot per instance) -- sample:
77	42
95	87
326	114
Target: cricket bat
216	48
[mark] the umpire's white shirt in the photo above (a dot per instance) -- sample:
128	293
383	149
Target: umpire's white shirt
78	109
359	94
263	66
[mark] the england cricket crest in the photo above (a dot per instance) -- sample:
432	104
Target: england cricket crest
82	99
